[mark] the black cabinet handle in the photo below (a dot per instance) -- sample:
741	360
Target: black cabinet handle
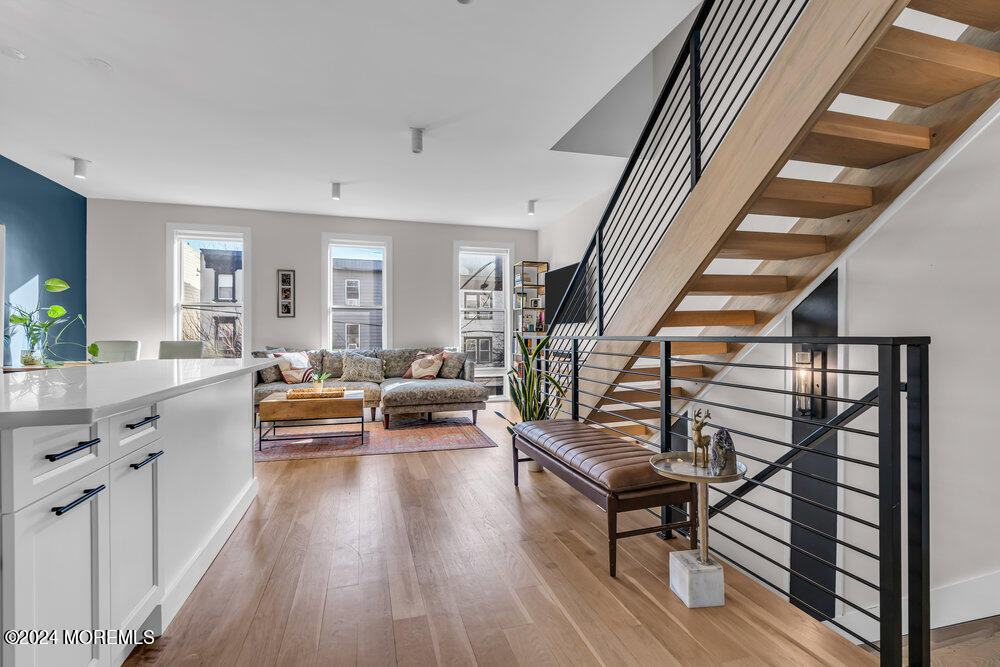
87	494
72	450
147	420
151	457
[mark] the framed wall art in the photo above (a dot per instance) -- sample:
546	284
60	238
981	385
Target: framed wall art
286	293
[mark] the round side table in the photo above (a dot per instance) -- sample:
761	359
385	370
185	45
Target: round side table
694	577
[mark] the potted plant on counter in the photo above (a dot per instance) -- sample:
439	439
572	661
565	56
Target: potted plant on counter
43	328
526	389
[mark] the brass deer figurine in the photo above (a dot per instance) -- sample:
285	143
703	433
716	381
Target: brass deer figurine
701	442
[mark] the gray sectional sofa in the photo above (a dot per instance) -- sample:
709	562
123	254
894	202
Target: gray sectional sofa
396	394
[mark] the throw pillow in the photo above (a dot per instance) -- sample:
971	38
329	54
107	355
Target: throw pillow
454	364
359	368
425	366
294	367
271	373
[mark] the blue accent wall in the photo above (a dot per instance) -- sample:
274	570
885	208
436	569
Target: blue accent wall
46	227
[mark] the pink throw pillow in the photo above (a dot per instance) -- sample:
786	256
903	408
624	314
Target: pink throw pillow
425	366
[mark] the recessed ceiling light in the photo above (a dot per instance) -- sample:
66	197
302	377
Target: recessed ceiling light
11	52
80	167
98	63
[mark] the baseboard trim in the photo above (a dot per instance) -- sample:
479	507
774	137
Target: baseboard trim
181	588
958	602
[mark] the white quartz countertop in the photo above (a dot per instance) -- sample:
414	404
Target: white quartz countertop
83	394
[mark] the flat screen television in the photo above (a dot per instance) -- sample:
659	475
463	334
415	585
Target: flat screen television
556	283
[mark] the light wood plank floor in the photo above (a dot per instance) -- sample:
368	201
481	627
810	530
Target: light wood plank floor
435	558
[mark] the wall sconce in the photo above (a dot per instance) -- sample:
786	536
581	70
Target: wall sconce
809	379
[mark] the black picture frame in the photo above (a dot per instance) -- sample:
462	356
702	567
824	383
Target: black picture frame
285	292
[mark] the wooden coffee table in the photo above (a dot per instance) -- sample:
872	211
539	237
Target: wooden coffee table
278	411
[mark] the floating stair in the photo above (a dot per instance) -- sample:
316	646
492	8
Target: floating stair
737	285
856	141
914	68
983	14
686	347
811	199
711	318
770	245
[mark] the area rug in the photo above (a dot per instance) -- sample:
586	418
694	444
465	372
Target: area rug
405	435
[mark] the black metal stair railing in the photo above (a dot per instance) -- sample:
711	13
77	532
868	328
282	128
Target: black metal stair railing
729	47
853	543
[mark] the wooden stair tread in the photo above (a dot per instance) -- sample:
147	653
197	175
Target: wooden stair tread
635	396
856	141
811	199
625	414
983	14
686	347
735	285
771	245
917	69
652	374
710	318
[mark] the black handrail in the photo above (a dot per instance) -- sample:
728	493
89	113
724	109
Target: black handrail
881	455
640	144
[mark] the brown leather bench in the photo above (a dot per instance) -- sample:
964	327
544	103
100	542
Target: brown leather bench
612	472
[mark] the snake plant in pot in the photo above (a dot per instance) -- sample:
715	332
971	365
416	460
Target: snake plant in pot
526	386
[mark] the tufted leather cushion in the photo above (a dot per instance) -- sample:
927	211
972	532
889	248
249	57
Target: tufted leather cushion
597	454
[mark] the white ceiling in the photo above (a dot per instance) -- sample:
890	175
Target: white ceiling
255	104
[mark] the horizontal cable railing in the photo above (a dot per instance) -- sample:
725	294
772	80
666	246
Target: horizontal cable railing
729	47
820	515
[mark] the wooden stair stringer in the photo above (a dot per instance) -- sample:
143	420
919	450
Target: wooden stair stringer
828	43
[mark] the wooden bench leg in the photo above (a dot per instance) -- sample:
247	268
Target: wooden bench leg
474	412
513	446
612	535
385	421
373	414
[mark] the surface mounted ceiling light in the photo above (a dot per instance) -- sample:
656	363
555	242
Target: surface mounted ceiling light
335	190
417	139
99	63
80	167
11	52
531	206
464	2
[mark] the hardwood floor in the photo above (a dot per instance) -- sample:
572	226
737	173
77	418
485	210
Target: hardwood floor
435	558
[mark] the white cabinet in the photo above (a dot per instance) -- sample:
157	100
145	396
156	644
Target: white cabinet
55	572
134	489
133	429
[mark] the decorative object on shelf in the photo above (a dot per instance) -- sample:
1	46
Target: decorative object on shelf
286	293
700	441
534	303
37	324
529	301
318	382
722	458
526	381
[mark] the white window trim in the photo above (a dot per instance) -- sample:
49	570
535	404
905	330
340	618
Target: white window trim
487	247
173	258
326	297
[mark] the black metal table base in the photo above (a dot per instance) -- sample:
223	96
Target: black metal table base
271	431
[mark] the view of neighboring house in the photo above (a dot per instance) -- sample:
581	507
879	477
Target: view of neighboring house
212	297
356	291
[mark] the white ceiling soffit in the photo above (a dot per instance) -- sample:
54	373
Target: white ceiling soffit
613	125
255	104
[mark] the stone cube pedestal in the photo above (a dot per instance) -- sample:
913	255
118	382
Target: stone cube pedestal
696	584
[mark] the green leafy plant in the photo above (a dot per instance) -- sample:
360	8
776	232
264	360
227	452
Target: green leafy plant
322	377
43	328
526	382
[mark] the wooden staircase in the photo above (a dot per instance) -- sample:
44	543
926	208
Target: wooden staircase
944	86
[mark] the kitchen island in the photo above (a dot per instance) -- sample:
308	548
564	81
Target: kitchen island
119	484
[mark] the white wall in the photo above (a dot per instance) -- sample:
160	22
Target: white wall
564	240
126	270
